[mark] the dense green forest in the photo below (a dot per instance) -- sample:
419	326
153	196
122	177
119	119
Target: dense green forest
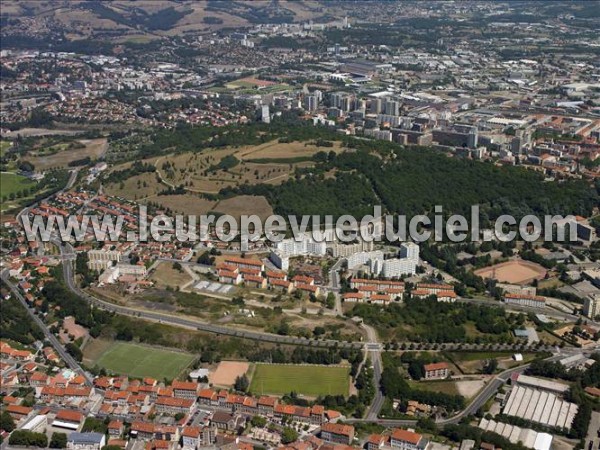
395	387
413	181
403	180
431	321
16	324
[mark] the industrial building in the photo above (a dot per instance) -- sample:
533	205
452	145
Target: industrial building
540	406
529	438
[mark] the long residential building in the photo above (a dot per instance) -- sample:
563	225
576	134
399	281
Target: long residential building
532	301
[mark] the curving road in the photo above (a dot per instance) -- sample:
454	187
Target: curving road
66	357
372	348
186	322
478	401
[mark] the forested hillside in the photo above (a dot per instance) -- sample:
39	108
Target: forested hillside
415	180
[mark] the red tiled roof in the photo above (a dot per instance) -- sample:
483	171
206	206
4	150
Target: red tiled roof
192	432
237	261
184	385
267	401
66	415
406	436
18	409
143	427
435	366
338	428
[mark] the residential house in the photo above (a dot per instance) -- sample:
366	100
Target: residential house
436	371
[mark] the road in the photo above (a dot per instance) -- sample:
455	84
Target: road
478	401
186	322
66	249
66	357
373	349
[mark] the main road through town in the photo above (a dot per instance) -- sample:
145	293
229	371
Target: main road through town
66	249
371	347
65	356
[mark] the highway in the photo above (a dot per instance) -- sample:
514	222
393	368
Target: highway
66	357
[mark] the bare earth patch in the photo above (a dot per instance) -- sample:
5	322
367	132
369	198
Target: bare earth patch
516	272
227	372
184	204
469	388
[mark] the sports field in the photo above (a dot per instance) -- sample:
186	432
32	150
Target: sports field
139	361
310	381
516	271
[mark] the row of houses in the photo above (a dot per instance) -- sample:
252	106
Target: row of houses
382	292
266	406
251	273
138	398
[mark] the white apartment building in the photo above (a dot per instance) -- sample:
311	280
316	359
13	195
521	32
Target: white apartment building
85	441
396	267
104	255
342	250
533	301
409	250
361	258
388	268
103	259
132	269
99	264
591	306
306	245
407	440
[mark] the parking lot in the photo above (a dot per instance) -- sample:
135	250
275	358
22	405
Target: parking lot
593	441
213	287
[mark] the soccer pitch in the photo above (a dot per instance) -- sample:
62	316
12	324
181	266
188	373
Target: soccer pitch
310	381
139	361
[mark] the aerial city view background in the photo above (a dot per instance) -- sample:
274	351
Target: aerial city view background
299	225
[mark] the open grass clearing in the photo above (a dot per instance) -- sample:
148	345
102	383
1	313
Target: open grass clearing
444	386
61	155
307	380
166	276
245	204
11	183
140	361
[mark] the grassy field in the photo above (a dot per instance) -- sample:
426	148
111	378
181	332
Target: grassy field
446	387
4	146
164	275
11	183
60	155
140	361
310	381
473	362
245	204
